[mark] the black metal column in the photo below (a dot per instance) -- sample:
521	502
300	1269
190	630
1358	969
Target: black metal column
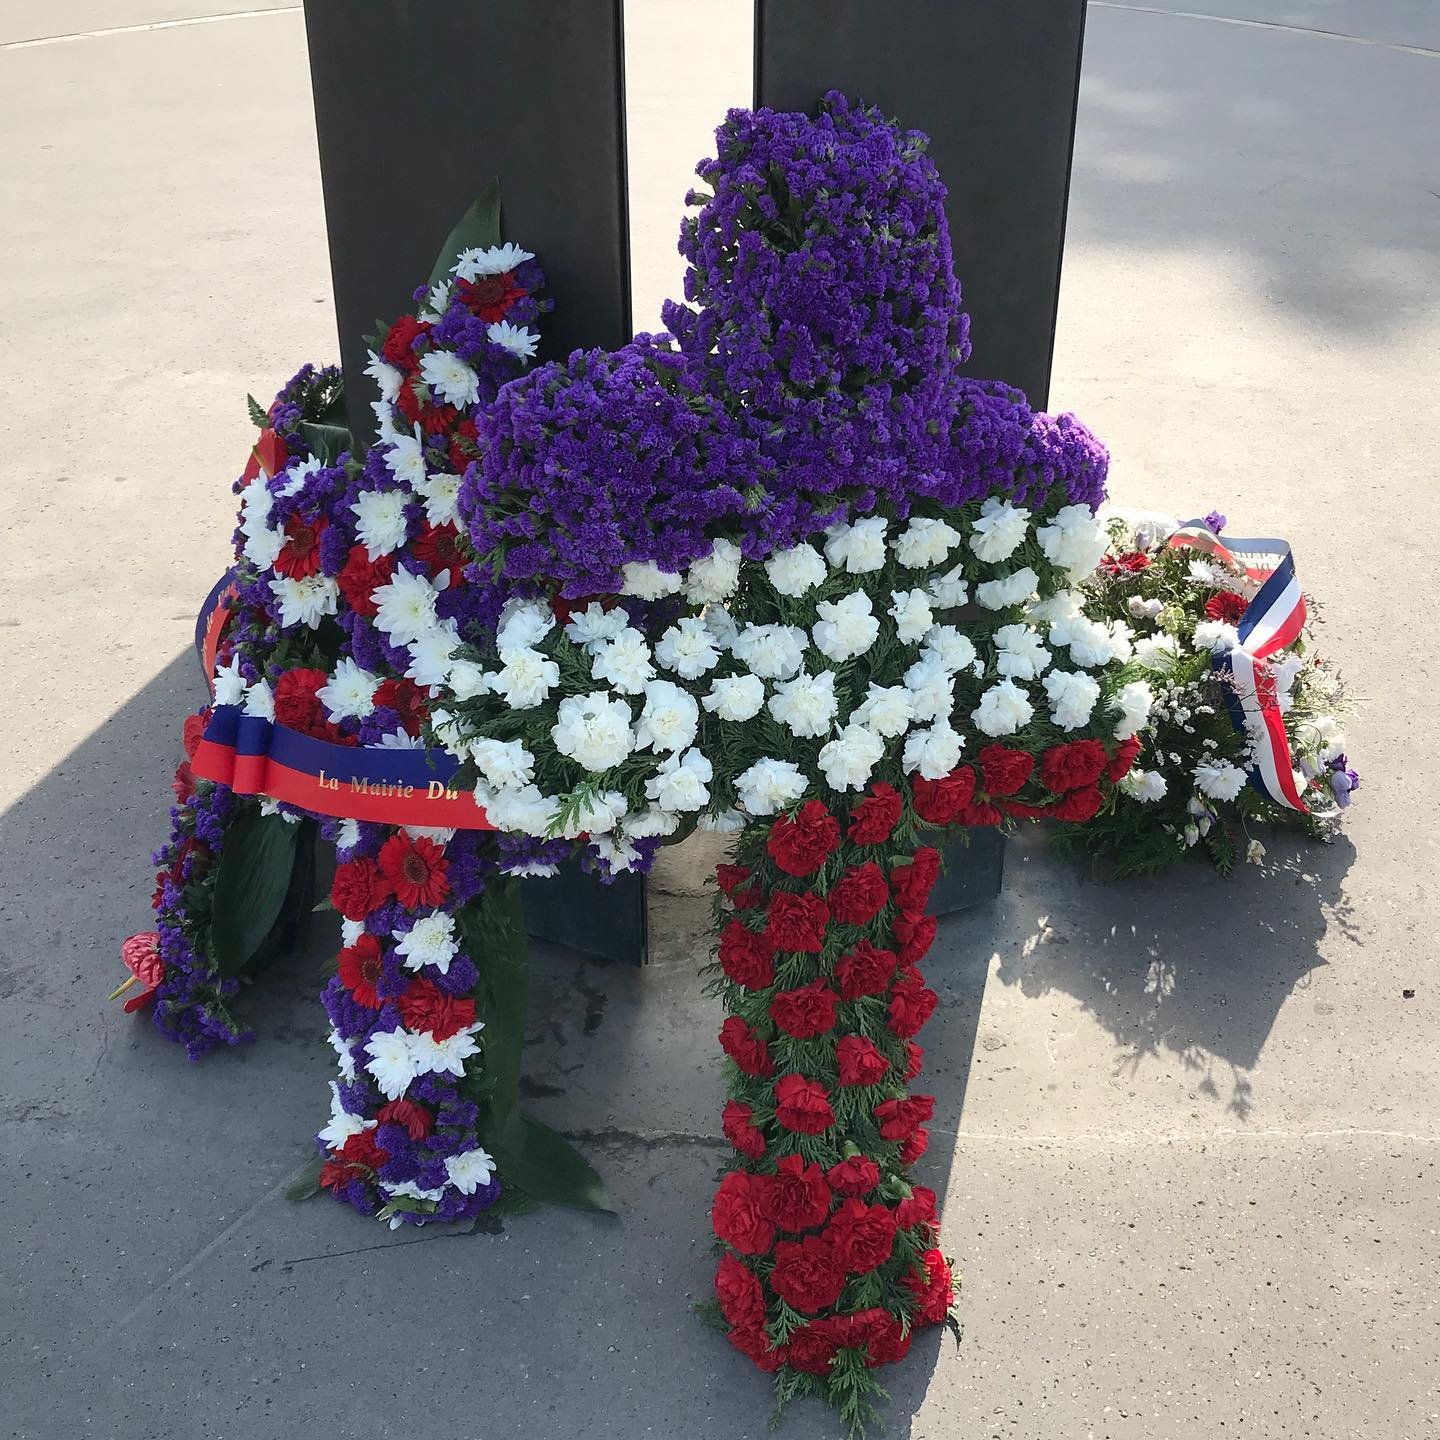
418	103
994	83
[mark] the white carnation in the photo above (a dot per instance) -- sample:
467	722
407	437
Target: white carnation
523	623
593	730
715	576
1132	704
682	782
647	581
593	626
931	687
999	531
520	812
1219	779
950	590
467	679
505	764
736	697
1020	654
1157	652
669	719
624	662
721	624
773	652
1074	540
846	628
887	710
856	548
949	646
1146	786
1072	695
1003	709
925	542
769	785
848	759
594	814
1007	590
525	678
1062	605
688	648
933	752
1093	642
910	610
797	570
806	705
1216	636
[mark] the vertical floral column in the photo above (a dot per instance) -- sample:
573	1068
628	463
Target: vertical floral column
830	1251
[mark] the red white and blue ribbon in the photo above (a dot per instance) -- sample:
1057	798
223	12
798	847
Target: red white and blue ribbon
1272	621
356	782
210	623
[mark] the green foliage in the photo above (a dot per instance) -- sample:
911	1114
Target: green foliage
258	417
477	228
251	883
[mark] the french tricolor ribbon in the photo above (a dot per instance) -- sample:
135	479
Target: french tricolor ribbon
254	756
1273	620
210	623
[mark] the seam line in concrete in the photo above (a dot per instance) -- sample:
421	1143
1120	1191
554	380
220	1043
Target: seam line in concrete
1268	25
150	25
1165	1137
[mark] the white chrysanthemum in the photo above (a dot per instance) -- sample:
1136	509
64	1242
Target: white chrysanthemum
260	701
430	660
437	301
773	652
999	531
440	492
406	459
477	263
848	760
797	570
950	590
593	626
262	545
400	739
1132	704
949	647
806	705
229	684
736	697
430	941
408	1190
505	764
1202	572
886	709
857	548
525	678
1074	540
688	648
305	601
1020	653
1007	590
1146	786
1072	695
1219	779
349	693
392	1062
669	719
386	377
448	1056
594	814
910	610
624	662
523	624
769	785
934	752
682	782
593	730
931	687
647	581
380	521
924	542
1216	636
714	576
1003	709
846	627
341	1046
386	434
449	377
1157	652
342	1123
347	837
519	341
470	1169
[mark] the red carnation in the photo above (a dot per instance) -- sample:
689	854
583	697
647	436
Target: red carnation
876	816
1132	562
359	888
1126	753
360	970
194	731
398	348
438	548
880	1334
796	922
1026	812
730	878
797	1197
933	1286
364	1149
415	866
741	1131
747	958
981	812
940	801
914	934
300	554
915	1055
918	1209
737	1288
746	1048
912	1003
811	1348
913	883
859	1061
406	699
1068	767
1003	769
736	1214
863	1235
856	1175
462	446
361	577
865	970
297	704
806	1012
859	895
900	1119
1226	605
914	1147
416	1119
1079	805
800	846
409	401
802	1106
426	1007
753	1342
807	1275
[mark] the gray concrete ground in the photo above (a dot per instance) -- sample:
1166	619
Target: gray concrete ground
1187	1130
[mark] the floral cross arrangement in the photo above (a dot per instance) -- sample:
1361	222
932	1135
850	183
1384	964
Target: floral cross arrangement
784	573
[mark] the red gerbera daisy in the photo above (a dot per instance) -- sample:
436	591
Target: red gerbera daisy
491	296
415	867
406	699
300	554
360	970
1226	605
438	547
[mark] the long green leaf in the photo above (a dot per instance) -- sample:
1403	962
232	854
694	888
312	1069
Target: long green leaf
478	228
250	886
328	442
547	1167
493	933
